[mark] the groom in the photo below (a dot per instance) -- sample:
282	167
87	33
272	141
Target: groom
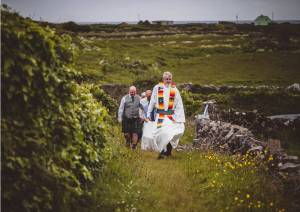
170	116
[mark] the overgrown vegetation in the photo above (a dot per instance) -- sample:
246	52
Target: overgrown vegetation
53	130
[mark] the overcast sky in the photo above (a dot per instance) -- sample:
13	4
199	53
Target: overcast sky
132	10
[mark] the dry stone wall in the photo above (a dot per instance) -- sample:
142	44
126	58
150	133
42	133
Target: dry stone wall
228	138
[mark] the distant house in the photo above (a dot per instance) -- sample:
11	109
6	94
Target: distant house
262	20
123	24
162	22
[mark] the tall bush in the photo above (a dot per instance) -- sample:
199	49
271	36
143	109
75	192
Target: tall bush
53	130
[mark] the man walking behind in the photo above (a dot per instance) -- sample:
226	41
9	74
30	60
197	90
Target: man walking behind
130	115
145	101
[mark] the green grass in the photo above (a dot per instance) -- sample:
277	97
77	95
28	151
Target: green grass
187	181
269	68
209	59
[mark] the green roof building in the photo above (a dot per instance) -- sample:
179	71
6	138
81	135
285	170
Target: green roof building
262	20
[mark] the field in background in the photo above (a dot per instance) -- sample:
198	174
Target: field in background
202	59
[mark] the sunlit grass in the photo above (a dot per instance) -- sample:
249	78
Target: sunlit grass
187	181
195	181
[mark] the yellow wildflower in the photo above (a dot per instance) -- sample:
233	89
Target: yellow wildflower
271	158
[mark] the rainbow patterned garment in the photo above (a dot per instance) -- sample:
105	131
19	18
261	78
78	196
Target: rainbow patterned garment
161	107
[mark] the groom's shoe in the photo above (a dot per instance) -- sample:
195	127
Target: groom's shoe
169	150
162	155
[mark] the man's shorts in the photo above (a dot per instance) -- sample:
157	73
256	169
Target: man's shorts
131	125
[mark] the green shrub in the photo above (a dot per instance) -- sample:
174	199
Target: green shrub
73	27
192	104
107	101
53	130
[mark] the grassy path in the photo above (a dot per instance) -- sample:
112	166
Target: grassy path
195	181
168	185
186	181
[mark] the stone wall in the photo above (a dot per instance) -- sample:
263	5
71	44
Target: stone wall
228	138
260	124
206	89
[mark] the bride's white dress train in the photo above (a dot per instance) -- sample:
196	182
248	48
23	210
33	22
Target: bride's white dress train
156	139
